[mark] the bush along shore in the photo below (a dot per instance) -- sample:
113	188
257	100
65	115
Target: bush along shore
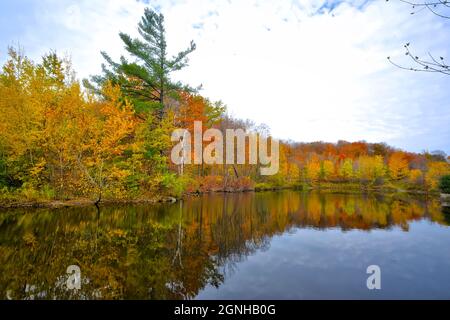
325	187
444	187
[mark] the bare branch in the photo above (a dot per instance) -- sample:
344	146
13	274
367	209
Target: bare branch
435	65
440	8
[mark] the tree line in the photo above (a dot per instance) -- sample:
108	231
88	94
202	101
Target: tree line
109	137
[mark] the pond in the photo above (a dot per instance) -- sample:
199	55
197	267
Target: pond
271	245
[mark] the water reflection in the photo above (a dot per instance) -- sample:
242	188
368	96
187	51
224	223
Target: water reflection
175	251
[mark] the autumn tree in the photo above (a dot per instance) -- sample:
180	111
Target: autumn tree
346	169
435	171
54	140
327	169
371	168
416	177
104	130
194	107
313	169
31	96
18	128
147	82
398	166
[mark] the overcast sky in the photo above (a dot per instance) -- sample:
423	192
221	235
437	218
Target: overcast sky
310	69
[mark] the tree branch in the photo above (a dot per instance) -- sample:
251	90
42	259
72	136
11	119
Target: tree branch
432	6
427	66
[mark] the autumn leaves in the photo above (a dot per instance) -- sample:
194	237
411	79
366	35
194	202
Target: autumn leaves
113	138
53	137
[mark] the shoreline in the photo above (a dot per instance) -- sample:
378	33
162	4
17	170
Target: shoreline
83	202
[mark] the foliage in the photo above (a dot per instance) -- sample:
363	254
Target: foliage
444	184
59	142
435	171
398	166
66	145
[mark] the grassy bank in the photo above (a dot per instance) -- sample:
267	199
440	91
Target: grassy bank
12	200
399	190
21	201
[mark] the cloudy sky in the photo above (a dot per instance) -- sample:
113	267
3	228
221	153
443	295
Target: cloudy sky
310	69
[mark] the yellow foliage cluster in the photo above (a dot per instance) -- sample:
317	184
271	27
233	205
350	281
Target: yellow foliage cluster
52	134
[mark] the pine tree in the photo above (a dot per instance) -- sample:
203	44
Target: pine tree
146	81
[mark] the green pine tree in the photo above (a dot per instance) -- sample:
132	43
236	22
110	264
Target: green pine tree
146	81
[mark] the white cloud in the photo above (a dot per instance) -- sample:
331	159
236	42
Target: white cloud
309	76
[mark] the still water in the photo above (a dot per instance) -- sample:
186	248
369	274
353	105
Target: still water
274	245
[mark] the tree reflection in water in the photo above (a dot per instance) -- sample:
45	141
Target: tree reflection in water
174	251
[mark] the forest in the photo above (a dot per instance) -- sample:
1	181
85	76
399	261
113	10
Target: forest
109	137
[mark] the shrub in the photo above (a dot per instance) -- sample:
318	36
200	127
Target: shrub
262	186
47	193
211	183
242	183
173	185
444	184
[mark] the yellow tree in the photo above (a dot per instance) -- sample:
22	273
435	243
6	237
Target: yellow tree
20	123
416	176
327	170
346	169
398	166
28	92
105	130
313	168
371	168
435	171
